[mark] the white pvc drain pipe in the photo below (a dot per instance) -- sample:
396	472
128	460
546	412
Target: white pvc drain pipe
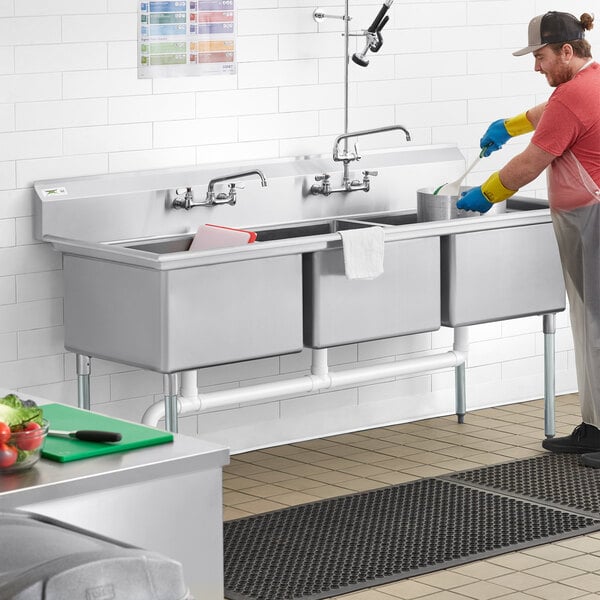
320	378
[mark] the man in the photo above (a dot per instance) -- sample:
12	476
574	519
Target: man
566	142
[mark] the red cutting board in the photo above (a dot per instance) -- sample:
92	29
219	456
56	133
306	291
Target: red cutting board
68	418
209	237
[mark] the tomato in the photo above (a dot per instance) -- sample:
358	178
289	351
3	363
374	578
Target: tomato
4	432
8	455
30	438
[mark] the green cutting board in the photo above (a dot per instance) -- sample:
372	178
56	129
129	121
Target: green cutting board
68	418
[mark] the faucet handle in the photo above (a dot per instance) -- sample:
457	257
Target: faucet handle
324	177
370	173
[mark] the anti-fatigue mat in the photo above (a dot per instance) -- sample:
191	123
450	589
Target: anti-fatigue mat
552	479
343	544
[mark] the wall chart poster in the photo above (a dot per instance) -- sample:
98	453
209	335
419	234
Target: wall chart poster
186	38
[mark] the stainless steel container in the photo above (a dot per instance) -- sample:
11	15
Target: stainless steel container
436	207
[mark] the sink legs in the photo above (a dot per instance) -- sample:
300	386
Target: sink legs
460	395
549	373
83	381
549	324
170	394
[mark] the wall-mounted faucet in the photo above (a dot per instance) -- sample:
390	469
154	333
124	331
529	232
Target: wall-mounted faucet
184	197
348	184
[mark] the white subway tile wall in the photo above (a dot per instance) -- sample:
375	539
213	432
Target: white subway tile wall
71	104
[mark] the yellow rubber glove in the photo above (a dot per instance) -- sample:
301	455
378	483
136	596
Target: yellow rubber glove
500	131
518	125
494	190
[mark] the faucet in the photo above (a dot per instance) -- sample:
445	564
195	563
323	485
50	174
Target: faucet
212	199
349	185
348	157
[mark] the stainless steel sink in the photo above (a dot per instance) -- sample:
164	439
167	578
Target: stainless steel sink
503	273
296	230
181	243
405	299
180	316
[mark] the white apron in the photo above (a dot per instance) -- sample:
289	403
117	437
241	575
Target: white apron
575	208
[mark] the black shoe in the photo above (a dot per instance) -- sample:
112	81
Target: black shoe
584	439
591	459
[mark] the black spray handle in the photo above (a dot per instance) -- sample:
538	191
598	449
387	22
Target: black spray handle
375	25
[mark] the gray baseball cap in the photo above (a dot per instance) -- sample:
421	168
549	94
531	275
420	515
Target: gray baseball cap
551	28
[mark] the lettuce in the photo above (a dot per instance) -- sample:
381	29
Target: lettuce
14	414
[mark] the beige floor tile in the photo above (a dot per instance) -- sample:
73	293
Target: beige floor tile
482	570
329	491
408	589
446	580
265	490
585	562
299	484
555	591
233	498
230	513
393	478
260	505
554	572
365	470
238	483
294	498
484	590
552	552
582	544
517	561
271	476
519	581
590	582
426	471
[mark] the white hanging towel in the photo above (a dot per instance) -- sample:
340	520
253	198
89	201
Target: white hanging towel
363	252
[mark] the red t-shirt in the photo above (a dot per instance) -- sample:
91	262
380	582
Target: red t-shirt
571	120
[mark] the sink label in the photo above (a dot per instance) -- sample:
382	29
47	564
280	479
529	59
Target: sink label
185	38
55	191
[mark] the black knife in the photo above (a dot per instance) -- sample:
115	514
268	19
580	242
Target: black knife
88	435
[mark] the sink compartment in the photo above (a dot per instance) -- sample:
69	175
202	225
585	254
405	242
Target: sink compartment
405	299
392	219
163	245
183	318
296	230
501	274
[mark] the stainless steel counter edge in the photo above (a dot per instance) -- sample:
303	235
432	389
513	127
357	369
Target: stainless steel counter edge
49	480
298	245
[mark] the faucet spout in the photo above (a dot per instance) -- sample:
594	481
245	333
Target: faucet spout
213	199
349	156
211	183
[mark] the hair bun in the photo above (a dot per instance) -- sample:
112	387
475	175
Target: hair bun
587	21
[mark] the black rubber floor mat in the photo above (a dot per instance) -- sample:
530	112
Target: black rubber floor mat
552	479
340	545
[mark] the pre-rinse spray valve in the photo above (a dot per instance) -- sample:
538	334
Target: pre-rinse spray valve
373	34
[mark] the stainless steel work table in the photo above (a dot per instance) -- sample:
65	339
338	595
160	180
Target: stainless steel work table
166	498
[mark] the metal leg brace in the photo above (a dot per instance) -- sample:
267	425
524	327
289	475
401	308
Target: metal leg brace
549	374
83	381
170	393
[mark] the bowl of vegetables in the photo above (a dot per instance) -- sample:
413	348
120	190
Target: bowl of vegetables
22	433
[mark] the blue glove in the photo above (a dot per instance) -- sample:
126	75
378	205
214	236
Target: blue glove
494	138
474	200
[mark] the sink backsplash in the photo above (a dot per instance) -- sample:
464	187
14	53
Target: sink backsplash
137	205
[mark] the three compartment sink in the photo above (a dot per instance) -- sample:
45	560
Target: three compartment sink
152	304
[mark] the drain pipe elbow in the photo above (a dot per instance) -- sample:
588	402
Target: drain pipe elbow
154	414
460	347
